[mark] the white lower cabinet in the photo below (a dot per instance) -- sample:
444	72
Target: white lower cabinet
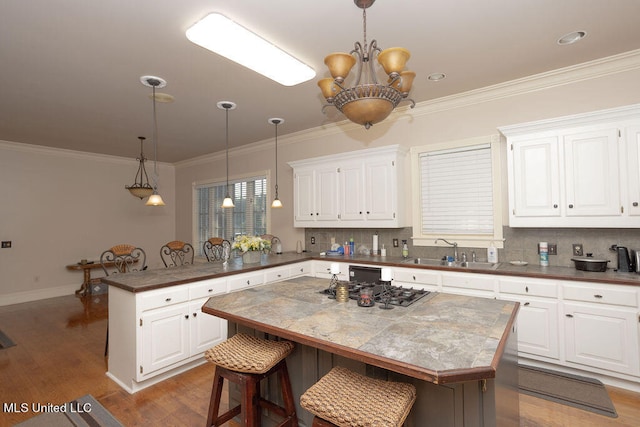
246	280
416	278
538	315
601	327
477	285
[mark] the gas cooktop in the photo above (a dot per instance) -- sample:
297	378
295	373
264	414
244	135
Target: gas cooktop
392	295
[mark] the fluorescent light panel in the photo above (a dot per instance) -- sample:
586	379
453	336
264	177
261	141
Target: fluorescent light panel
221	35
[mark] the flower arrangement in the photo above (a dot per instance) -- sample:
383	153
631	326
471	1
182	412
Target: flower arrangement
251	243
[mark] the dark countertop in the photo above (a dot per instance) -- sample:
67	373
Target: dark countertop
159	278
441	338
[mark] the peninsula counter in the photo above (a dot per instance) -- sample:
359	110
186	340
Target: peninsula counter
459	351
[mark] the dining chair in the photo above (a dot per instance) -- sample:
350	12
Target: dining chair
176	253
217	249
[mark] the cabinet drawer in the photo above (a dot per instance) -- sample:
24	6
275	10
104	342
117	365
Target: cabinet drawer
245	281
300	269
163	297
276	274
207	288
614	296
468	281
528	287
416	276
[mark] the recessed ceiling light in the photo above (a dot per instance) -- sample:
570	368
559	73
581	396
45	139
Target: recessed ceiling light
434	77
221	35
572	37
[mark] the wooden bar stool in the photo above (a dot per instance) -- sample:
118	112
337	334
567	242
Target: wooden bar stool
246	360
345	399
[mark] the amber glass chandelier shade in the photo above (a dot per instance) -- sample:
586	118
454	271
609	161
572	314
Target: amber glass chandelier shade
368	111
394	59
339	65
328	87
404	83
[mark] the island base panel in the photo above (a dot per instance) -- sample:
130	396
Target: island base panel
493	402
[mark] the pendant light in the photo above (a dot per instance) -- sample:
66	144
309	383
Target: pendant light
154	82
227	105
140	188
276	121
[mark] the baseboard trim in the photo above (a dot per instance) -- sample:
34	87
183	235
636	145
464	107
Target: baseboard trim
37	294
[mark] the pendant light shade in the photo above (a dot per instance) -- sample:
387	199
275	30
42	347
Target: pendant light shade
154	82
276	121
227	105
141	188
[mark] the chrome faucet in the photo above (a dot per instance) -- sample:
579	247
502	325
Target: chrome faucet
455	247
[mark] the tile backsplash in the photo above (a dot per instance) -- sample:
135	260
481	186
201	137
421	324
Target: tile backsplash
520	244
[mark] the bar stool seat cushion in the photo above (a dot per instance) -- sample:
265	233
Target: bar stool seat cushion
348	399
249	354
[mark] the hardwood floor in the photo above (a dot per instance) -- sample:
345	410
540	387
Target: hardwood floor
59	356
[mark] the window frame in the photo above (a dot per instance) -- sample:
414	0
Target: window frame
463	240
232	180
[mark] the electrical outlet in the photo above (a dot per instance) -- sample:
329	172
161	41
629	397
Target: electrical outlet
395	243
6	244
577	249
553	249
313	240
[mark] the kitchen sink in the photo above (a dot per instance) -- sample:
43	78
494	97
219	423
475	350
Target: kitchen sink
472	265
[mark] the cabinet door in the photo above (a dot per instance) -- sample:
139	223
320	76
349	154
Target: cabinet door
206	330
380	189
304	209
602	337
165	337
326	194
352	191
632	136
537	326
534	169
591	173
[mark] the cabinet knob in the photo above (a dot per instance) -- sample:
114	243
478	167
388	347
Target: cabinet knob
555	206
569	315
570	205
210	290
526	289
248	282
368	212
186	316
167	300
526	303
597	296
635	204
195	314
360	212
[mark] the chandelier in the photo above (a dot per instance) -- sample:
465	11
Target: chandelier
154	82
367	101
141	188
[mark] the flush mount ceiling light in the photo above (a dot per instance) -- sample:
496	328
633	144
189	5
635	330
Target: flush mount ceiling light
572	37
436	77
367	102
140	187
154	82
221	35
227	105
276	121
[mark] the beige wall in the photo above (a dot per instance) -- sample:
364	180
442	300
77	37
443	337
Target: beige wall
591	87
60	206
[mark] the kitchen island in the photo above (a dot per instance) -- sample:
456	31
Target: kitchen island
459	351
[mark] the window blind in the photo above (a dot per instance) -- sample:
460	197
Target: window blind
456	191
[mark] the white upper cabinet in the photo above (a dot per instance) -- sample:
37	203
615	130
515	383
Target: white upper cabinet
576	171
356	189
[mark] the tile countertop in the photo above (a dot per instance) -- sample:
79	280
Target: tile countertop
160	278
441	338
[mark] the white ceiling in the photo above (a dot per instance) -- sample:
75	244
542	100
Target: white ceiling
70	69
